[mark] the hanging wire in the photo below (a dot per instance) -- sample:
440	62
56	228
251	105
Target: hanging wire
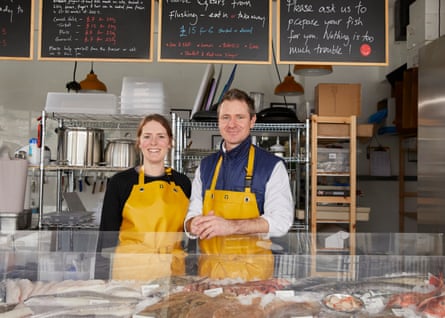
277	70
275	63
369	146
73	85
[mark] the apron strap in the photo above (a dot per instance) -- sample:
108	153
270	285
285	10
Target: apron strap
249	170
215	174
168	172
141	175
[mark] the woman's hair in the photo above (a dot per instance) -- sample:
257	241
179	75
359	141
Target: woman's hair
237	94
154	117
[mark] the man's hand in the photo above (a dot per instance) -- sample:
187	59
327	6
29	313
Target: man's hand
208	226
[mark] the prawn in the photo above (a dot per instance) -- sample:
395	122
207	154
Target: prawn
415	298
434	306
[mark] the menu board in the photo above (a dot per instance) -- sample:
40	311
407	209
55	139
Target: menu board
215	31
334	31
16	33
96	30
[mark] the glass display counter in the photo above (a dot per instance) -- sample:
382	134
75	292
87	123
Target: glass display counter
60	274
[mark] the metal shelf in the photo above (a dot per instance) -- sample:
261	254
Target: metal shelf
83	168
110	121
298	165
259	127
102	121
286	159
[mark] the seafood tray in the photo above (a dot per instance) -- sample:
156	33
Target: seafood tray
404	295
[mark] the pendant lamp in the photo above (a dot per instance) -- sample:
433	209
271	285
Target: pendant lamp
92	83
289	87
312	70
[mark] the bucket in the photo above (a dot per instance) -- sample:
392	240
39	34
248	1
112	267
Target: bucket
11	222
13	173
121	153
80	146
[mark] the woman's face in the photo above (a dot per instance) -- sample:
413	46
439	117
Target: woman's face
154	142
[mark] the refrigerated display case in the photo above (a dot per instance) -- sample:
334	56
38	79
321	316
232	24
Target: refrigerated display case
52	274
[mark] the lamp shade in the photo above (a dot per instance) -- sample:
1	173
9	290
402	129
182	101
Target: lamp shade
92	83
289	87
312	70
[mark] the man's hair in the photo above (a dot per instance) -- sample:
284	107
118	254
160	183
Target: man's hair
237	94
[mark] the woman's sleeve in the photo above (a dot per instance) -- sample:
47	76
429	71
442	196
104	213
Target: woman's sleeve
111	216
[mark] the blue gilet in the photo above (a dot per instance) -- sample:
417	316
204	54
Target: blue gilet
233	170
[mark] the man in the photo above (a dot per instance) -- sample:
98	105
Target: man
237	192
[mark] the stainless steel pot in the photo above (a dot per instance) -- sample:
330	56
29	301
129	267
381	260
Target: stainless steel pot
79	146
121	153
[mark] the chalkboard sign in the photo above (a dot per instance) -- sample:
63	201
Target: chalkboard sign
215	31
96	30
16	29
335	31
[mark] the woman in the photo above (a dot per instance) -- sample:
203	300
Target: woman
147	204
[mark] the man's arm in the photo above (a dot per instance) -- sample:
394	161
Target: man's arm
209	226
279	207
276	221
195	205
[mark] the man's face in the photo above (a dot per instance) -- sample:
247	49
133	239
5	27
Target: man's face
234	122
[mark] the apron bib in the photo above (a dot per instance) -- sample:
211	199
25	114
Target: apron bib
151	231
234	256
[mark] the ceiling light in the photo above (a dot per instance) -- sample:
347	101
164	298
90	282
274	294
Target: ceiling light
92	83
312	70
289	87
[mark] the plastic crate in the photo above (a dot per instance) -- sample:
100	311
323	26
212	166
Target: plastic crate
333	160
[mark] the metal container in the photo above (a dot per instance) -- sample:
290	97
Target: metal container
121	153
278	149
80	146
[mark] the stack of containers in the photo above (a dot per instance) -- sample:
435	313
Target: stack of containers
83	103
141	96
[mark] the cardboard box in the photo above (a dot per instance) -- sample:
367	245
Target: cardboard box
337	99
365	130
333	130
337	213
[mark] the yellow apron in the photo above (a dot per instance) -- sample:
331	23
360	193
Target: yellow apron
151	231
235	256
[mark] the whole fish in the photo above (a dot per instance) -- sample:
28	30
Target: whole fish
104	310
382	285
83	298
